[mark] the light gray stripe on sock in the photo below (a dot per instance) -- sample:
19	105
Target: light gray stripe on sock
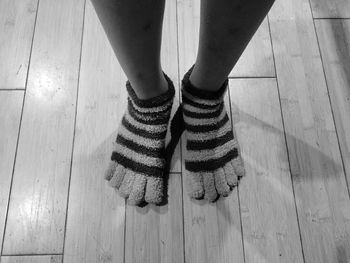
202	136
215	153
153	109
226	167
139	157
198	110
145	127
148	116
152	143
199	122
199	100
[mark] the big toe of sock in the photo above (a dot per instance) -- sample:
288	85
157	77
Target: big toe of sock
195	186
230	174
210	192
127	184
137	194
238	166
154	190
221	184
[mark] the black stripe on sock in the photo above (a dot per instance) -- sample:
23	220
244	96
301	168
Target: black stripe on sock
151	171
143	133
209	144
149	121
204	115
207	128
155	101
151	152
212	164
200	93
198	105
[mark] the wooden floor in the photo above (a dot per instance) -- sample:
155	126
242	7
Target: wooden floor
62	95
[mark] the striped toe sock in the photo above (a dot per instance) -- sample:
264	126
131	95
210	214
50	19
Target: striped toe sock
138	160
212	159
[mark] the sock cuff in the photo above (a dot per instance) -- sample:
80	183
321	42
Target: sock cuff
202	94
155	101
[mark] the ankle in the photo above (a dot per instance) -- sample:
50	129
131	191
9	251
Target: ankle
188	87
150	89
207	83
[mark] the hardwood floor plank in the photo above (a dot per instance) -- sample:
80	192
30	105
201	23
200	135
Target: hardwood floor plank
318	177
37	210
257	59
17	19
96	214
330	9
154	234
269	220
334	39
212	230
10	113
31	259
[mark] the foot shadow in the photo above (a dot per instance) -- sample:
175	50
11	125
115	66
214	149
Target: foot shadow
312	164
176	130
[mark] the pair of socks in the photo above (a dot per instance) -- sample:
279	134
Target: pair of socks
213	164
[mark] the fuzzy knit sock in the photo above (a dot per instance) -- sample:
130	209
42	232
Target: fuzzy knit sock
138	160
212	160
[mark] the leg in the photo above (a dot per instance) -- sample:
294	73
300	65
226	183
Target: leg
212	159
137	163
226	28
134	29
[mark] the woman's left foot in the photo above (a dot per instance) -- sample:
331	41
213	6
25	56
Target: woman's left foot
212	160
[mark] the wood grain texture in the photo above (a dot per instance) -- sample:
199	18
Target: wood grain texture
256	60
154	234
37	211
96	214
212	230
318	177
10	114
169	62
17	19
330	9
31	259
269	220
334	40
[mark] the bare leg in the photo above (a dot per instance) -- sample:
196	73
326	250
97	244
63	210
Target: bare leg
134	29
225	30
212	160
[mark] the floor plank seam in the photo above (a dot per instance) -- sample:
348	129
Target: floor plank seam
238	197
19	129
32	255
330	102
331	18
180	141
19	89
252	77
74	129
285	141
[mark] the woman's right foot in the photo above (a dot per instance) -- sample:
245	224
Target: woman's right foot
138	160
